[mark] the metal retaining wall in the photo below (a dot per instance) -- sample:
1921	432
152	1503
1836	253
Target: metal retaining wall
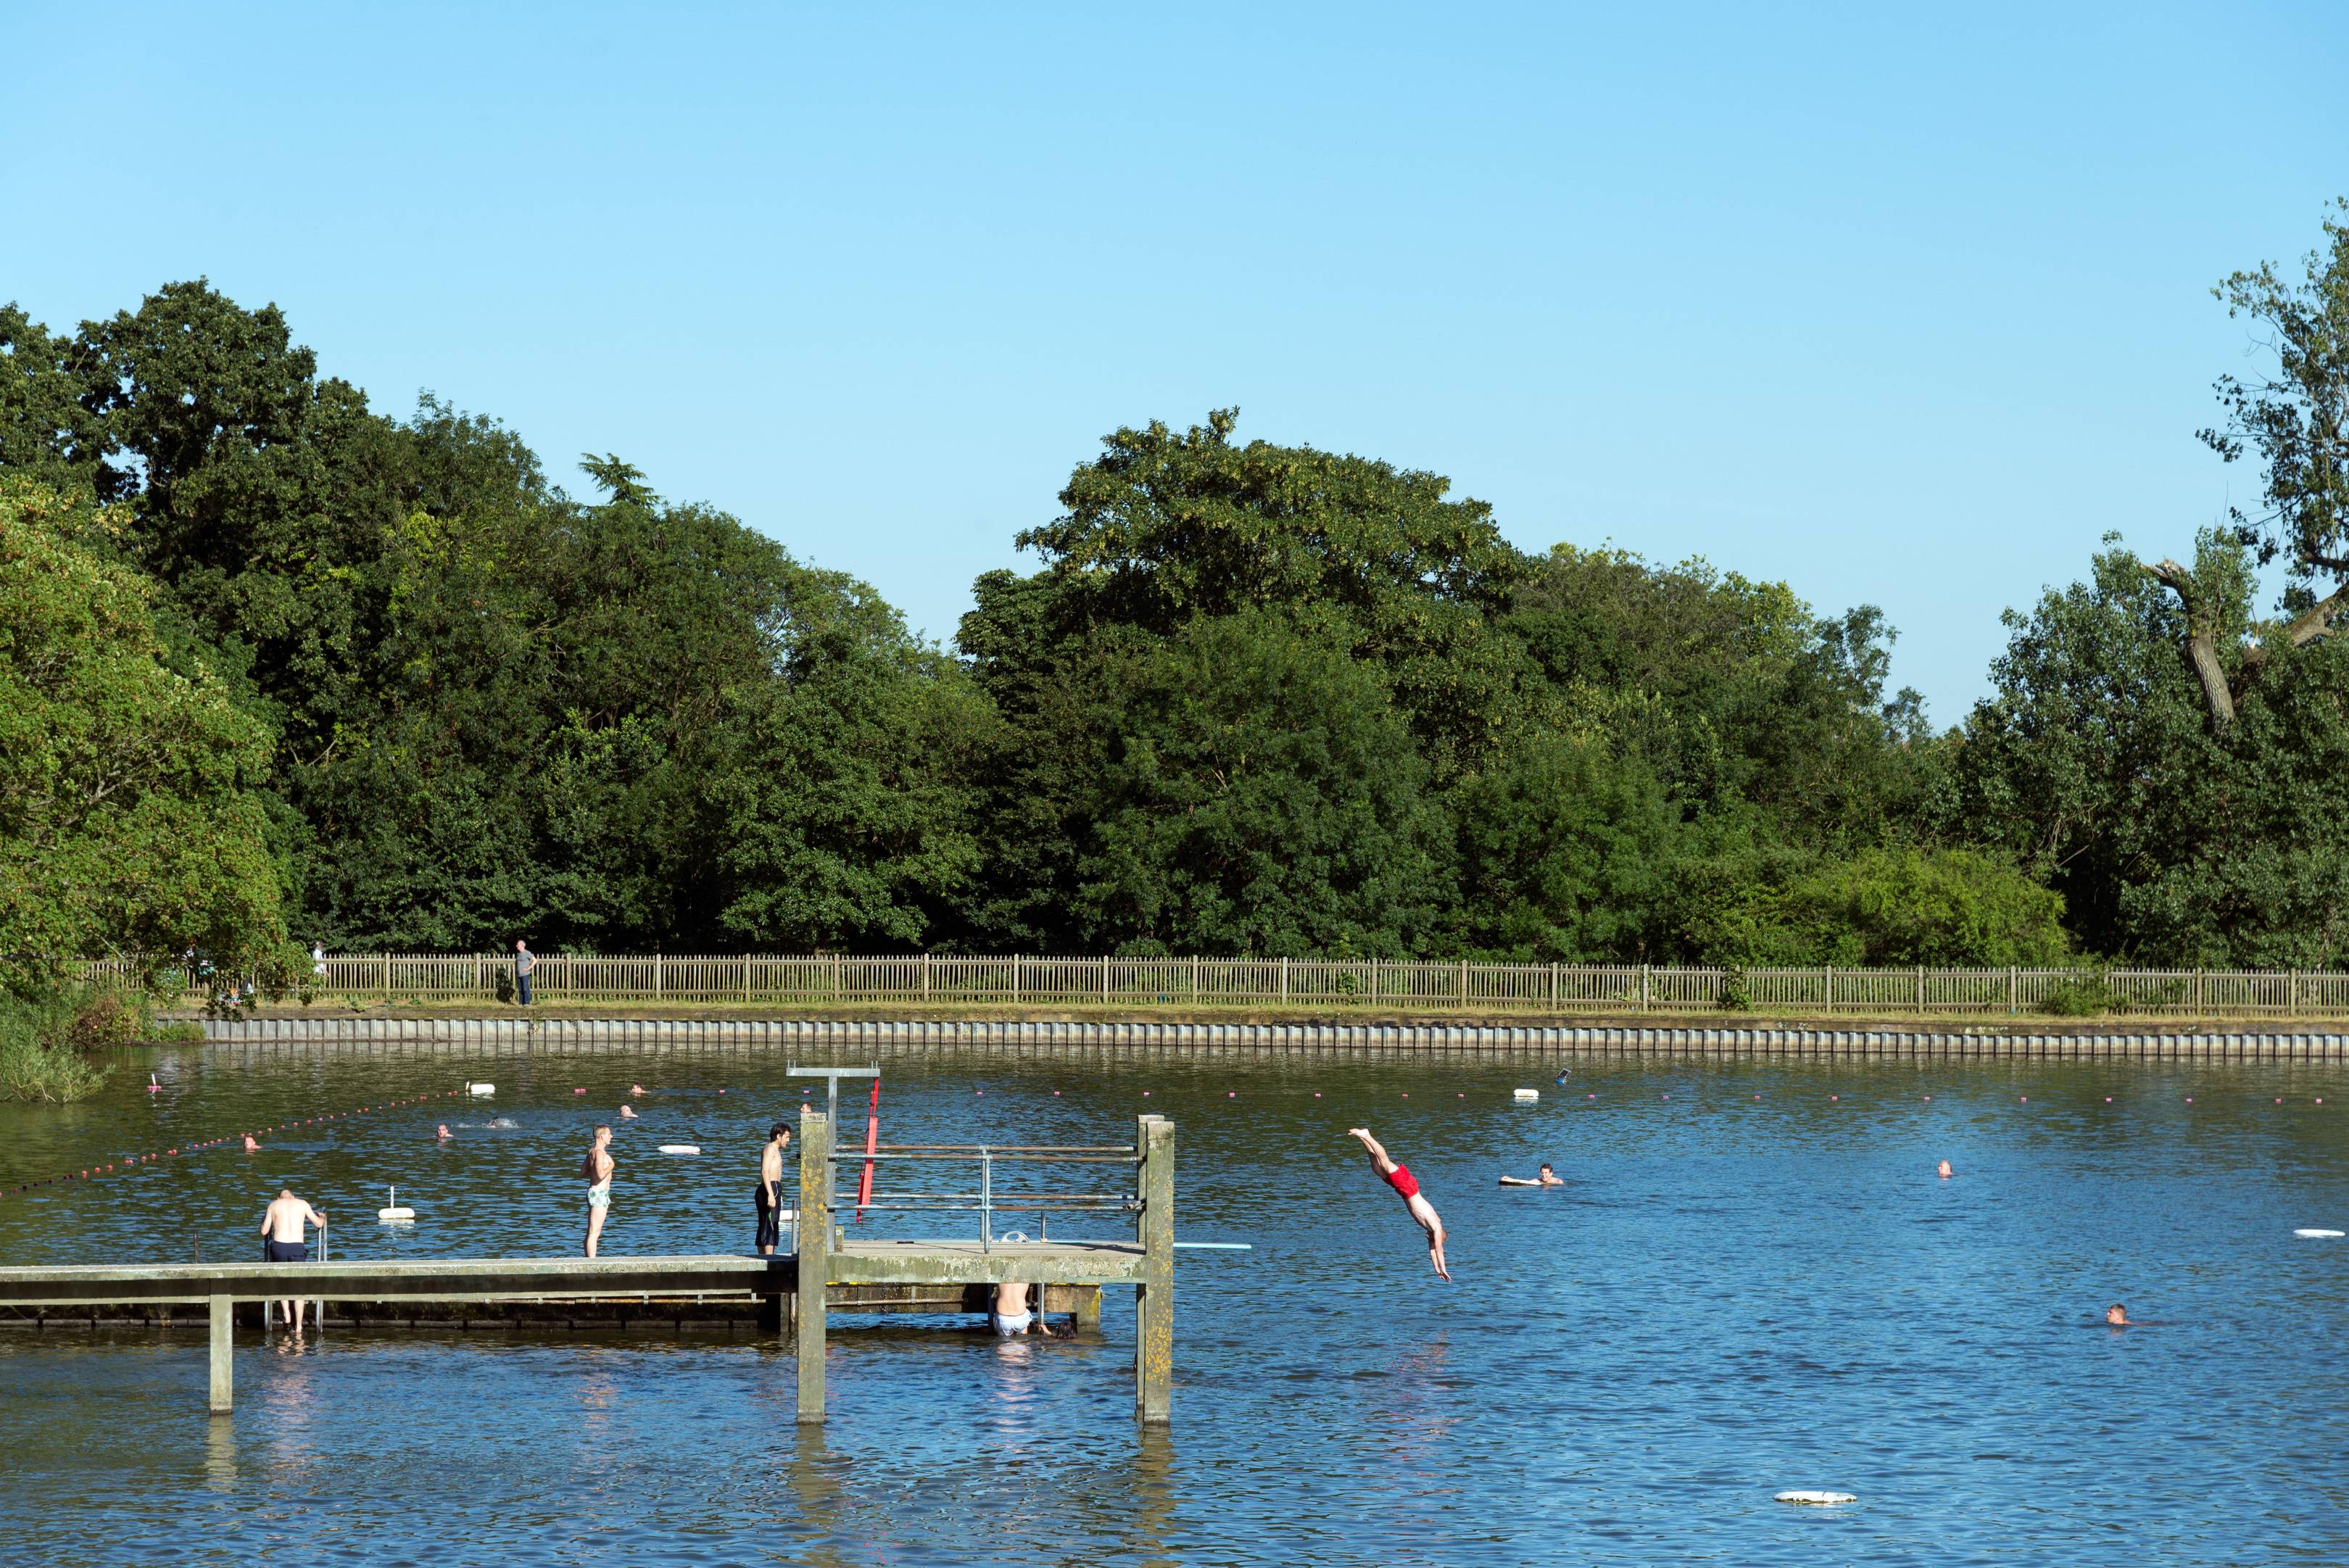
794	1036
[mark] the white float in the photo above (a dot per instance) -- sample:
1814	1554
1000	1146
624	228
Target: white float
481	1088
1525	1096
393	1213
680	1148
2316	1233
1823	1498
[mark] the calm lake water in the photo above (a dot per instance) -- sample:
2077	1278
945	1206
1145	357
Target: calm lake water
1747	1286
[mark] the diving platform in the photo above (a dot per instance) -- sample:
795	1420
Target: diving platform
793	1293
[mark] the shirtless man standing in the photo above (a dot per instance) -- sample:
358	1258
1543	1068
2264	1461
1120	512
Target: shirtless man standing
596	1170
1407	1188
287	1242
769	1195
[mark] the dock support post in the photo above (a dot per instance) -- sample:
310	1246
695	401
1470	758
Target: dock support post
1154	1313
1088	1313
814	1259
224	1366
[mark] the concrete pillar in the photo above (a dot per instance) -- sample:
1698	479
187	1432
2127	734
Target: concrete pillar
1153	1308
224	1369
814	1259
1088	1313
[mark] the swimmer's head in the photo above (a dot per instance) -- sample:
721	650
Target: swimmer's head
2116	1314
1943	1170
1546	1170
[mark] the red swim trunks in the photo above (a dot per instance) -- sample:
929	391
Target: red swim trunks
1405	1185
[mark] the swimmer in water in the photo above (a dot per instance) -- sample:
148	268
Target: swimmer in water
635	1089
627	1113
2118	1316
1943	1171
1407	1188
1548	1178
251	1145
444	1134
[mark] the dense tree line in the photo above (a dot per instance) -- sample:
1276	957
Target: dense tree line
401	690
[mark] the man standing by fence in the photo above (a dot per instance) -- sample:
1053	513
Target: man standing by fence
524	962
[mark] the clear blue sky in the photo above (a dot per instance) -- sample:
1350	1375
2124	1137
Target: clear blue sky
1903	309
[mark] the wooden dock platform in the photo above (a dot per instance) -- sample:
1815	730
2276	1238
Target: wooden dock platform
798	1291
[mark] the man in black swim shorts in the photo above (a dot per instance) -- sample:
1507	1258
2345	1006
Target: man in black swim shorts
770	1194
286	1242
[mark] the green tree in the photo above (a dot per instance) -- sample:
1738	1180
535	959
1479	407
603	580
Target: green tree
1562	850
2295	416
1259	795
2172	841
126	825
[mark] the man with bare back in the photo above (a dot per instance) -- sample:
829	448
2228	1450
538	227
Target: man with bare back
597	1171
768	1197
287	1243
1407	1188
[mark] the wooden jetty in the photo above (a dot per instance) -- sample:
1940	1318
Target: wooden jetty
798	1291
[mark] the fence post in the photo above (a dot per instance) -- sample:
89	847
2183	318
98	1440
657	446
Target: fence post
1920	987
1553	987
2197	993
1643	988
1830	1002
1015	976
835	977
2013	989
926	977
1153	1304
746	976
657	978
1284	980
1463	983
814	1235
1104	979
386	977
1194	978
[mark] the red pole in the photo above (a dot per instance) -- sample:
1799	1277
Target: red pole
871	1140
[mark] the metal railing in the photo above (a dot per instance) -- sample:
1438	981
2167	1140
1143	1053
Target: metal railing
987	1202
1451	985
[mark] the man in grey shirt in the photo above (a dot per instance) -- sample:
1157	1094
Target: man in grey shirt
524	962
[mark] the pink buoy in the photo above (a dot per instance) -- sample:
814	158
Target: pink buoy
1317	1094
1835	1097
2279	1100
1056	1094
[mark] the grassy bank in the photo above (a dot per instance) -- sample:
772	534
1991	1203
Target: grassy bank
53	1045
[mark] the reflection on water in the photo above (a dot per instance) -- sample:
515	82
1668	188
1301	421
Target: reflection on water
1745	1286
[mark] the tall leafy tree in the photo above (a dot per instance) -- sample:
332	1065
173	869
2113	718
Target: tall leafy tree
127	819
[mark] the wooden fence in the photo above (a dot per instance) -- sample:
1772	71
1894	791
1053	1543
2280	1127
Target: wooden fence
829	979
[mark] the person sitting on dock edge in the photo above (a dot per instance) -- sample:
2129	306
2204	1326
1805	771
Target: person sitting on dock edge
1406	1186
286	1242
597	1170
770	1195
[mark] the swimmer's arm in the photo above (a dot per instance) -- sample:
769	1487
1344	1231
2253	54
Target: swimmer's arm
318	1216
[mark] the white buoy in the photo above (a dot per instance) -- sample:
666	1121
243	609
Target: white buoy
680	1148
1824	1498
1525	1096
2316	1233
481	1088
392	1213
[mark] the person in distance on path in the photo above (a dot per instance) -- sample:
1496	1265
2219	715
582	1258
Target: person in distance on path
1407	1188
286	1242
597	1170
769	1195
